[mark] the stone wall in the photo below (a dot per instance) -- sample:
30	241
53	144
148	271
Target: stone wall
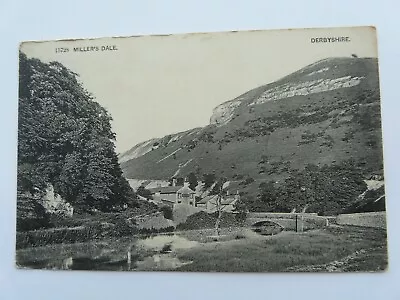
279	215
305	221
371	219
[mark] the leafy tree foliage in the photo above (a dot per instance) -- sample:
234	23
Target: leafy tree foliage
179	181
142	191
241	209
167	212
325	190
192	179
30	214
65	139
266	200
208	180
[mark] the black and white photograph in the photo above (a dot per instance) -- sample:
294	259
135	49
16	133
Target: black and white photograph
240	151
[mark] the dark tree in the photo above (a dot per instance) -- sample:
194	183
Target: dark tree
241	209
208	180
192	181
267	199
142	191
65	139
180	181
167	212
325	190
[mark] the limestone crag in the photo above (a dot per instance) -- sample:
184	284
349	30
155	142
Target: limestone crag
306	87
223	113
137	151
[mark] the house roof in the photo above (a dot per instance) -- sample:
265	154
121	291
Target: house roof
165	190
228	201
167	200
186	191
225	201
206	199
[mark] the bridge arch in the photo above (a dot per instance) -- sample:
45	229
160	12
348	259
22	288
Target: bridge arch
267	227
288	221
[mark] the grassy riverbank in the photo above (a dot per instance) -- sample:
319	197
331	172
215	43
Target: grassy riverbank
291	250
98	226
335	248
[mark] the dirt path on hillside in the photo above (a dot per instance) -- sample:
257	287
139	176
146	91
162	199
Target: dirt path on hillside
373	259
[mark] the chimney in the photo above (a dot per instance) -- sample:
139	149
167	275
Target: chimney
237	196
186	183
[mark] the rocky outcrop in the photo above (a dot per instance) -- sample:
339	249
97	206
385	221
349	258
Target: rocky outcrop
54	204
147	184
306	87
223	113
328	115
34	209
137	151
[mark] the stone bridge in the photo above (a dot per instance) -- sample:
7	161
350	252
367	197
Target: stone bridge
288	221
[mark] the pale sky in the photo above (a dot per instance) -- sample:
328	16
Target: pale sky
156	85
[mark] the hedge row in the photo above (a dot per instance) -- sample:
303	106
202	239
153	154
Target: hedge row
203	220
44	237
81	234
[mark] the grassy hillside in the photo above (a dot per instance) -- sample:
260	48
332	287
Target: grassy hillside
324	114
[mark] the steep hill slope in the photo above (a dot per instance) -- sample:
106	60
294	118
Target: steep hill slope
323	114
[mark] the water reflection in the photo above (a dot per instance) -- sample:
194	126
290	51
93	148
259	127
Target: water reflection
165	258
173	241
160	262
267	228
141	254
67	263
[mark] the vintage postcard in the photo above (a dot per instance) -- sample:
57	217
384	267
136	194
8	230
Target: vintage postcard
252	151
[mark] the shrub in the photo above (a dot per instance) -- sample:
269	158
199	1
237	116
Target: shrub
247	181
167	212
30	214
57	236
240	236
57	220
144	192
154	230
123	228
203	220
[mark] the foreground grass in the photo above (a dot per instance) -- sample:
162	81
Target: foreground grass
335	248
289	249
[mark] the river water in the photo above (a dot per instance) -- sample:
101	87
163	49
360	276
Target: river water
138	254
